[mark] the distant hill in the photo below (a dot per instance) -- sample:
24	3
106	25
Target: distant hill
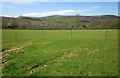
61	22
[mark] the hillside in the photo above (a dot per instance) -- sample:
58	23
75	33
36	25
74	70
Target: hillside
60	22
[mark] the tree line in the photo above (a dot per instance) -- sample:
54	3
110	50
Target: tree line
60	23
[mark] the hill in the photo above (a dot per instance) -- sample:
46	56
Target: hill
61	22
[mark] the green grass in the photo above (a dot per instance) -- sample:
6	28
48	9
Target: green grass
56	53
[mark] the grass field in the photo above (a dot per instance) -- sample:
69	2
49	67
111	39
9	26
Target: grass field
57	53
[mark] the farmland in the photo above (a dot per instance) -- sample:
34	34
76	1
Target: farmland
60	52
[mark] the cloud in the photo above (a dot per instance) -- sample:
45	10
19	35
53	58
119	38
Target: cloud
89	9
8	16
96	7
62	12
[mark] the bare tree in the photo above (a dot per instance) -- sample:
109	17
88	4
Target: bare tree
77	21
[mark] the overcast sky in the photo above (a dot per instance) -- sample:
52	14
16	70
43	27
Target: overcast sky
40	9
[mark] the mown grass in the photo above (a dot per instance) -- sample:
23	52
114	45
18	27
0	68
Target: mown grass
56	53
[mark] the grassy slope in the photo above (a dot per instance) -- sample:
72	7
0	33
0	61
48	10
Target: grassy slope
87	53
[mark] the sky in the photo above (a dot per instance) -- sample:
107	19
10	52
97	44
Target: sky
60	0
41	9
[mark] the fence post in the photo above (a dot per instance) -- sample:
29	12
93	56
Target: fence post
15	35
71	33
106	34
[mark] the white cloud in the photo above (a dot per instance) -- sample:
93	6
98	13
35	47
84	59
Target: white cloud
8	16
62	12
96	7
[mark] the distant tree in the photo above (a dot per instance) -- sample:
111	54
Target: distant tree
84	26
92	24
118	22
15	24
12	24
44	24
105	25
115	23
77	21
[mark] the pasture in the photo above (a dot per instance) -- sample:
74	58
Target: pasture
59	53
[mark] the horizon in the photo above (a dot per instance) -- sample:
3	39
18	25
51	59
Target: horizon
58	15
